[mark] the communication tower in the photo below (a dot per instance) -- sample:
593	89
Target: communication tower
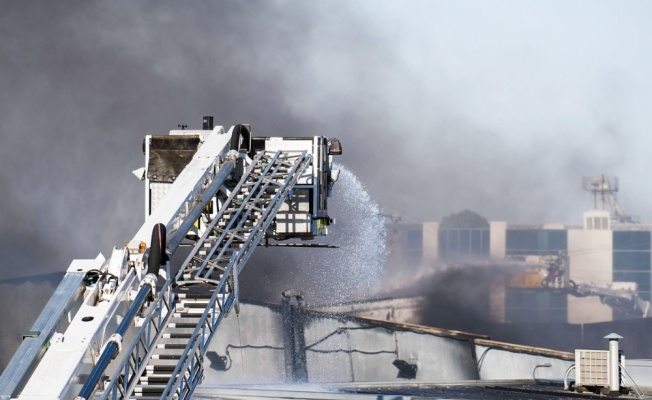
603	190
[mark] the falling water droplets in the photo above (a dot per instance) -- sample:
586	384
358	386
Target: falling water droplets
353	271
327	276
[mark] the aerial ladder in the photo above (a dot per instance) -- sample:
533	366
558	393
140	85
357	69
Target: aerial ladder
620	296
138	325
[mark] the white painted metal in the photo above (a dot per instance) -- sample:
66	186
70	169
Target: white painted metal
35	342
275	144
187	185
73	351
614	360
592	368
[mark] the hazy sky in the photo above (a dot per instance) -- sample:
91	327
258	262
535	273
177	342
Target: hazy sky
500	107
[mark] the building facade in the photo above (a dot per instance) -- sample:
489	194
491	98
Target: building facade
599	252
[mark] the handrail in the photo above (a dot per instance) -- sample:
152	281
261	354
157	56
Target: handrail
190	361
217	217
164	297
113	345
247	212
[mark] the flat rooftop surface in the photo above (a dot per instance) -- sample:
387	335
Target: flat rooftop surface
377	391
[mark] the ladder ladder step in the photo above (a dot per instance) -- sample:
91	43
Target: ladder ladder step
160	369
166	356
195	295
171	346
177	335
147	380
192	305
195	312
182	325
150	389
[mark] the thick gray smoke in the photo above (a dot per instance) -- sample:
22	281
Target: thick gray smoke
457	295
499	107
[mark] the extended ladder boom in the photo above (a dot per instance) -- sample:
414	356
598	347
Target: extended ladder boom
133	334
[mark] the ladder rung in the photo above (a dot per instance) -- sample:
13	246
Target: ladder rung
195	295
182	325
160	368
171	346
177	335
166	356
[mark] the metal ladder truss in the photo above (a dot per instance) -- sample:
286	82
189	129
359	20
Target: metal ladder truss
279	173
136	356
257	197
215	261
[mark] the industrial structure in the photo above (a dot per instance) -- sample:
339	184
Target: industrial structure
606	259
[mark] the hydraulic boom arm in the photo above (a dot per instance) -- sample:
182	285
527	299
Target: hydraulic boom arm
139	326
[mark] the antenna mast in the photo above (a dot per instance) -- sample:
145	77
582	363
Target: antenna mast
603	190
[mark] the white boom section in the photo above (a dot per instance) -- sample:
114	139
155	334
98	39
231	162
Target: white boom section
166	360
69	353
219	196
72	354
189	183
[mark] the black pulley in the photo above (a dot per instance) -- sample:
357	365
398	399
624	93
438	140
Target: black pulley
157	254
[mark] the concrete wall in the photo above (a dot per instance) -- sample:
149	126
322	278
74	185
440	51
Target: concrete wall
498	239
590	257
640	373
352	351
505	362
430	242
406	309
253	345
347	349
338	350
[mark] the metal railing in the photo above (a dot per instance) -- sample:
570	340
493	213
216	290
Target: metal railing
280	170
130	369
189	369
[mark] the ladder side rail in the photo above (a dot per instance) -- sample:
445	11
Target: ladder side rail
196	189
177	379
32	349
259	189
275	202
194	341
189	381
199	343
237	262
302	160
270	212
131	368
243	213
198	203
227	205
211	226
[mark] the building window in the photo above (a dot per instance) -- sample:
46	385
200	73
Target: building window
536	242
414	239
632	240
455	243
534	305
631	259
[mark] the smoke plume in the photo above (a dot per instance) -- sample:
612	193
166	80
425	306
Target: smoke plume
498	107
